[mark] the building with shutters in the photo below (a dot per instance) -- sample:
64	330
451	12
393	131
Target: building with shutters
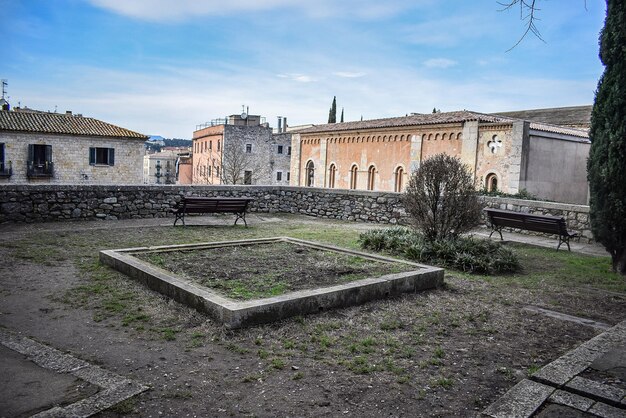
42	147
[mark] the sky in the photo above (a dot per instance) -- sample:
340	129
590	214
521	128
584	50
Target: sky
162	67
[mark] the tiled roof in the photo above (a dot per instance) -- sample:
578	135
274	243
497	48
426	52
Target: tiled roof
412	120
436	119
564	116
55	123
581	133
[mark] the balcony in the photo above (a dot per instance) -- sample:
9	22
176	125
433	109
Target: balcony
6	169
36	170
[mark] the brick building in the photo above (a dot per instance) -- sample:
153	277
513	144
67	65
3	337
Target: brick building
241	149
43	147
502	152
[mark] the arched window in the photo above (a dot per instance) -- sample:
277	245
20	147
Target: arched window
399	173
371	174
491	182
331	176
310	174
353	174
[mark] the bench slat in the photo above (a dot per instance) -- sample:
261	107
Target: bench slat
195	205
537	223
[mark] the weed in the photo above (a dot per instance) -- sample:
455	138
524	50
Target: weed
277	363
361	365
405	378
389	324
263	354
289	344
444	382
297	376
236	349
532	369
438	353
168	334
251	378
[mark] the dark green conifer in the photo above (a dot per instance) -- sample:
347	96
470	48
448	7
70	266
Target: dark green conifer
332	114
606	166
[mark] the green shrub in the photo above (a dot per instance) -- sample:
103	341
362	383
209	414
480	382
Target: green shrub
522	194
463	253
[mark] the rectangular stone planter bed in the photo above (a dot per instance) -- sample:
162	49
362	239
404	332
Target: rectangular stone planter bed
234	314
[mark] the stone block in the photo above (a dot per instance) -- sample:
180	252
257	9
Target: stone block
523	400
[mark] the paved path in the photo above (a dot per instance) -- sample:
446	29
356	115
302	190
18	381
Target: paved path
587	381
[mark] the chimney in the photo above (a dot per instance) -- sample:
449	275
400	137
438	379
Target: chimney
68	112
280	120
285	124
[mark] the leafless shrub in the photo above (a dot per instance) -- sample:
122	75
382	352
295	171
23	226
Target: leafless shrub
441	199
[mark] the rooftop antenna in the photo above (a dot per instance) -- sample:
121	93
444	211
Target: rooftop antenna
5	83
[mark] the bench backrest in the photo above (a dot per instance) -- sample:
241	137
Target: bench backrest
215	204
536	223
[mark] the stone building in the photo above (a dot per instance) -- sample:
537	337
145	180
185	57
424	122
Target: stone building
241	149
43	147
503	153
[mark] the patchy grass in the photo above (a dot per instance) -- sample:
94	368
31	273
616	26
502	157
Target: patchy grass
418	351
264	270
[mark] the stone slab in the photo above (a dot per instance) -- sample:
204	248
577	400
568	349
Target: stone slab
612	362
571	399
26	388
566	367
522	400
607	411
560	411
565	317
57	366
596	390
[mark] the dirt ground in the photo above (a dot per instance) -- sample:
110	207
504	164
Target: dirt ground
447	352
265	270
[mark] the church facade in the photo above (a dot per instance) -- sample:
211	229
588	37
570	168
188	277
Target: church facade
502	153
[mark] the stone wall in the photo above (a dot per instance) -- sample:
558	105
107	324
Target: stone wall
41	203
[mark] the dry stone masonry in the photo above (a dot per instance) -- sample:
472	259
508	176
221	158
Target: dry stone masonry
44	203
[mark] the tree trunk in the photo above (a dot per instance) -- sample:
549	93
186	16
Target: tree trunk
619	262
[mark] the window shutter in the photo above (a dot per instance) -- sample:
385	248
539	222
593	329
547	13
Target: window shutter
49	153
92	156
111	156
31	153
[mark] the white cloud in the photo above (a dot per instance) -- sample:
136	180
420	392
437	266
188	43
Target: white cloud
179	10
171	101
440	63
348	74
167	10
301	78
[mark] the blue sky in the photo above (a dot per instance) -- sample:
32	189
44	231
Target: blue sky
162	67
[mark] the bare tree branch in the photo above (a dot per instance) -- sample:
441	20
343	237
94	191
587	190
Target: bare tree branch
528	12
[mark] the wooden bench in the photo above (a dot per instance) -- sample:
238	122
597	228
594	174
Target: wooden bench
537	223
235	205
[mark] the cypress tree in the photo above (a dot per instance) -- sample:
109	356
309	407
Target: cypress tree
332	114
606	166
341	115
